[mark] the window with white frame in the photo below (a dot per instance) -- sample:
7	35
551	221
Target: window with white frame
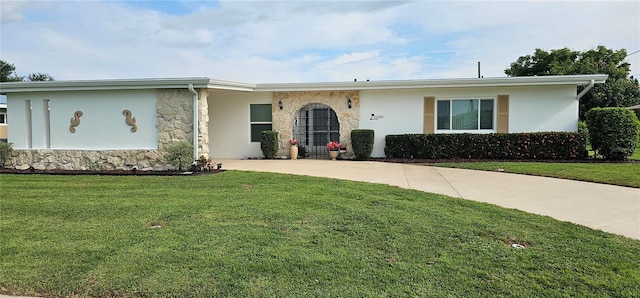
465	115
3	117
260	119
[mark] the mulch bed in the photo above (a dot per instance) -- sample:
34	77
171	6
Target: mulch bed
422	161
177	173
108	172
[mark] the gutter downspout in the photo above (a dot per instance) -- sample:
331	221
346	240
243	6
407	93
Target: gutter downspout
586	89
195	121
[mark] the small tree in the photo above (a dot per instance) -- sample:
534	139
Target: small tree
269	143
8	74
620	89
38	76
6	151
362	143
180	155
613	132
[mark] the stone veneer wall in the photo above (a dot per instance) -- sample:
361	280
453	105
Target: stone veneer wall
293	101
203	123
174	111
48	159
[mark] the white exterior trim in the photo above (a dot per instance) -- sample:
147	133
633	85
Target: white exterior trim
203	82
578	80
168	83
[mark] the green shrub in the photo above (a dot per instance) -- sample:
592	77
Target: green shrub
613	132
302	151
179	155
6	151
541	145
269	143
204	164
362	143
584	130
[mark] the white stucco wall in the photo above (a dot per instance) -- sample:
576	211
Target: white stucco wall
102	126
531	109
394	112
229	127
554	108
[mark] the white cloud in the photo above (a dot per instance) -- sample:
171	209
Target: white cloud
354	57
11	11
276	41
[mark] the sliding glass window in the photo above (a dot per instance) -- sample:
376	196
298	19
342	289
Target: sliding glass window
465	114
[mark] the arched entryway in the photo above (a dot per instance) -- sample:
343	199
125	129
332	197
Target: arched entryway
314	126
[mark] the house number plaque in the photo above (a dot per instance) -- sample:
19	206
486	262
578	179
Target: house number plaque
376	117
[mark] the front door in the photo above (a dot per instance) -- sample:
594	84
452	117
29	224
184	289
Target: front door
314	126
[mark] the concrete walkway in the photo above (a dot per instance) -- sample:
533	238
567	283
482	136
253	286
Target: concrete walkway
609	208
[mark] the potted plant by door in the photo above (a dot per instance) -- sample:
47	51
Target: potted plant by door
293	150
334	150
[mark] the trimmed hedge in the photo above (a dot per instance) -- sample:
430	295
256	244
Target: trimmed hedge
269	143
362	143
613	132
542	145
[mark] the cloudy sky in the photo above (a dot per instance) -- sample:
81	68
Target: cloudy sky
302	41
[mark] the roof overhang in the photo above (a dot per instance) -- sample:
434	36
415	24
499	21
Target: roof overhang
126	84
576	80
207	83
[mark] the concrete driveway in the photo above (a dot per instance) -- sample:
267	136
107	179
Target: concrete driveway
613	209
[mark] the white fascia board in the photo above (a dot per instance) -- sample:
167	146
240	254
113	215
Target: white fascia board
127	84
203	82
577	80
232	86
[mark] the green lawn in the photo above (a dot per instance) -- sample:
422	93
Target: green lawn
242	234
624	174
636	154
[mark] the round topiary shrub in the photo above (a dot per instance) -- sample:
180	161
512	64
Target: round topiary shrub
613	132
269	143
362	143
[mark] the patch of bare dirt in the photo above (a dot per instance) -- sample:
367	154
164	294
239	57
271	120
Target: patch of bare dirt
511	241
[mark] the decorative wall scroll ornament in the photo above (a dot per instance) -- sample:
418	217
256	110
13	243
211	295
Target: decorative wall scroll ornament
131	121
75	121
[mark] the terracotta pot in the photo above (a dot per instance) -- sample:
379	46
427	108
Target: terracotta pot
293	152
334	154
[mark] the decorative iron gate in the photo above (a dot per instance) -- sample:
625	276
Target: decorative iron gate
314	126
